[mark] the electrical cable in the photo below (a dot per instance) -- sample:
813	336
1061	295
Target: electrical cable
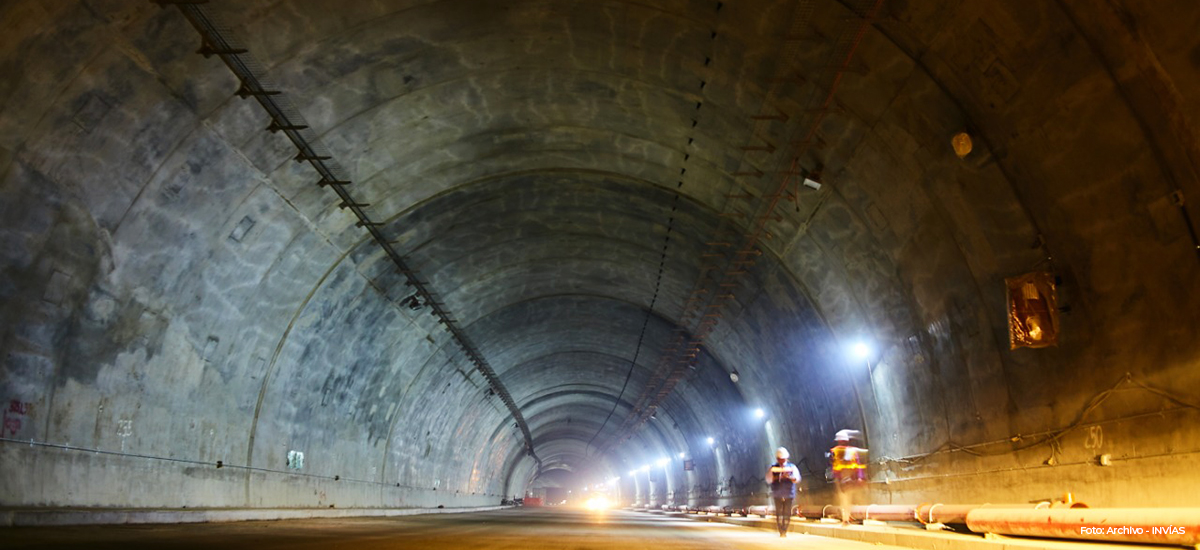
637	350
1052	437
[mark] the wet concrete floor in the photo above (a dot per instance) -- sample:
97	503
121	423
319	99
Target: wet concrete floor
520	528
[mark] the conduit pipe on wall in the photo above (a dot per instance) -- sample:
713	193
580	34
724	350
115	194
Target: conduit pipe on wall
1141	525
924	513
1073	520
763	511
934	513
884	512
957	513
817	512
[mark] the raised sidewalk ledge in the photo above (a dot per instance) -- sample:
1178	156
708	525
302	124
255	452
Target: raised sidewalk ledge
913	537
41	517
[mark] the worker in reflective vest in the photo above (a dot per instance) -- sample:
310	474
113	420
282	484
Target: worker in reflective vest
849	470
782	476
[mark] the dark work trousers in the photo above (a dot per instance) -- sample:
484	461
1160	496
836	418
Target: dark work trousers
783	514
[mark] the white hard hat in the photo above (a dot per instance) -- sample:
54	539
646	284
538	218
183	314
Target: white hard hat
846	435
782	452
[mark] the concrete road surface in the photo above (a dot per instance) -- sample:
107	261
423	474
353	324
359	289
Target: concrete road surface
520	528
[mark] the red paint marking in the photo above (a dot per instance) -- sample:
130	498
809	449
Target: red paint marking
12	425
16	406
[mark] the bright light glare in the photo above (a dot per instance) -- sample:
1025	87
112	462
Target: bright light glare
646	468
663	461
759	413
711	441
597	503
632	473
680	455
861	350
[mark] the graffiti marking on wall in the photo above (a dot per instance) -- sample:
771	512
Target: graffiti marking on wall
15	416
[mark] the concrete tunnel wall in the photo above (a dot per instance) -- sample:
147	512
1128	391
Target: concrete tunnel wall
176	291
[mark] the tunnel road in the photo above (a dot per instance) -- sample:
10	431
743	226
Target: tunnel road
527	528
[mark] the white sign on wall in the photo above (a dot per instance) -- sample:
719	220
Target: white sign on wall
295	460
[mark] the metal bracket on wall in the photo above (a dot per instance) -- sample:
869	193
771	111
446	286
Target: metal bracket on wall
217	40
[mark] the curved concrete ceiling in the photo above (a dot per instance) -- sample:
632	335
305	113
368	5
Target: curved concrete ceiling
583	184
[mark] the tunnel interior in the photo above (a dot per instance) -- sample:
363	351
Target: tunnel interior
640	243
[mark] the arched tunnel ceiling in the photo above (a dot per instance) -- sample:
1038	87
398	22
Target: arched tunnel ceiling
582	184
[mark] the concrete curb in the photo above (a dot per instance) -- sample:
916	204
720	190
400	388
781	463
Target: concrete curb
910	537
33	517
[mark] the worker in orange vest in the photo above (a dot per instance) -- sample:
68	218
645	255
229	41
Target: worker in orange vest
849	470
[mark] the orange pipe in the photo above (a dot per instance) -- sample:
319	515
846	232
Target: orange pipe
1142	525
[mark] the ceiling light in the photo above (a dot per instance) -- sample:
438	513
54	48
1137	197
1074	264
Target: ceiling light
962	144
812	180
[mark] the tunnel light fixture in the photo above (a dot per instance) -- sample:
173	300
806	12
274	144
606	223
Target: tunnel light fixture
759	413
632	473
861	350
598	503
711	441
645	468
681	456
662	462
961	142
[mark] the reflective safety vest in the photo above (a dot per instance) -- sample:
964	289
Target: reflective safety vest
783	487
849	463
